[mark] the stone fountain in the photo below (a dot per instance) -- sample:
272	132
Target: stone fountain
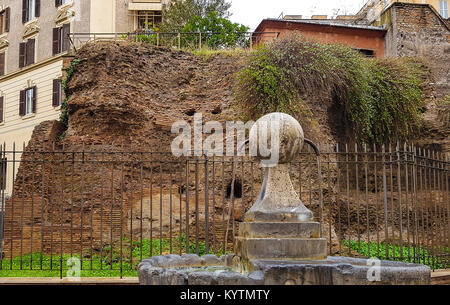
278	242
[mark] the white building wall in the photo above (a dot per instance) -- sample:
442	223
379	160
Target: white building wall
19	129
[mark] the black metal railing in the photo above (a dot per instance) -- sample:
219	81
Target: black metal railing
111	207
180	40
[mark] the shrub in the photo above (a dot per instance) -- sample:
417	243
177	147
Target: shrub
380	99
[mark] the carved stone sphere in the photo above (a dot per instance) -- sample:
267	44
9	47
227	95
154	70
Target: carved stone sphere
290	138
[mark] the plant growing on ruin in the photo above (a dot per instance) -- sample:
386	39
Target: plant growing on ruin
70	71
380	100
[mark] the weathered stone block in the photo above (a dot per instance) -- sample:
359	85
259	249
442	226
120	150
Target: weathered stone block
279	229
281	248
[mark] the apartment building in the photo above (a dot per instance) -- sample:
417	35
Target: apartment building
33	43
373	9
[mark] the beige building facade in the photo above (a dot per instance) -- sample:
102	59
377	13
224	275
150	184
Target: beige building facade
33	43
373	9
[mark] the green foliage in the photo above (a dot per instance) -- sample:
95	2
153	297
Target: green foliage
372	250
179	12
217	32
64	117
380	100
444	101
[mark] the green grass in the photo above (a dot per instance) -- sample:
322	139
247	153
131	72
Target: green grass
394	251
106	265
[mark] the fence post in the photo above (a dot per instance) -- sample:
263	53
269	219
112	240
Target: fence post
200	40
179	40
251	41
385	203
157	39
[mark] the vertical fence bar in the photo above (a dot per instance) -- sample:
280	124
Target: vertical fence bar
32	209
375	170
386	230
399	193
170	211
160	209
61	231
141	201
102	199
366	165
187	206
206	206
330	198
224	227
151	204
12	206
338	187
348	198
197	211
408	240
357	197
42	204
22	212
3	171
111	217
214	204
91	212
121	209
391	171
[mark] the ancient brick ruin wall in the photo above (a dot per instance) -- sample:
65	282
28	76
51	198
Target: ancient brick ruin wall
418	31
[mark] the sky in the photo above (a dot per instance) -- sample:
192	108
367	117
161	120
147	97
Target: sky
252	12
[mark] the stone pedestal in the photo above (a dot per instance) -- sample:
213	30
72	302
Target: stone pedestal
279	226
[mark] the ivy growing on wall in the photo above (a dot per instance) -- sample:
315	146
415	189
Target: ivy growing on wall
64	117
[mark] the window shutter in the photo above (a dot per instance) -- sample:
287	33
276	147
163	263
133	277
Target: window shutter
34	99
58	3
56	93
22	50
22	103
2	64
56	37
24	11
65	38
30	52
37	11
7	18
1	109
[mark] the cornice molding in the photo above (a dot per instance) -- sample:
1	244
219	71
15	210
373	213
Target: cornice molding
4	43
31	29
64	13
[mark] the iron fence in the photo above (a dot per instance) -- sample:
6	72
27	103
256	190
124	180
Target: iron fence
180	40
110	207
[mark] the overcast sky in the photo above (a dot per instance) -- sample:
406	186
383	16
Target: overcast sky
251	12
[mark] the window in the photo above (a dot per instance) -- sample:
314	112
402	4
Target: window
443	9
148	19
27	103
4	20
61	39
61	2
26	53
2	63
30	10
3	168
57	93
